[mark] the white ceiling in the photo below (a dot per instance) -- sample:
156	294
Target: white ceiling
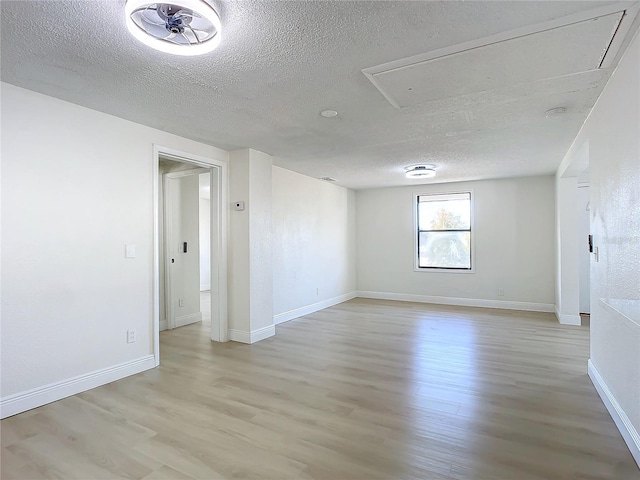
281	62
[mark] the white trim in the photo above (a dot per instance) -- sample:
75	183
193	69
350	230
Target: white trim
622	37
566	318
156	257
219	242
253	336
462	302
21	402
167	240
416	267
314	307
626	428
204	287
186	173
164	325
183	320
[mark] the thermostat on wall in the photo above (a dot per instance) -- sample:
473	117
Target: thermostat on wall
239	206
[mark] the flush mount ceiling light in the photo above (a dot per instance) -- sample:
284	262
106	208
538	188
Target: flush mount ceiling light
329	113
420	171
186	27
555	112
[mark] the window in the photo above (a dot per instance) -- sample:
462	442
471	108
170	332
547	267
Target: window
444	231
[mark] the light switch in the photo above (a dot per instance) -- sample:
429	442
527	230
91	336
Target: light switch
130	251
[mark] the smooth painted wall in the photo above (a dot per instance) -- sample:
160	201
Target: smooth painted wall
250	246
205	241
183	196
513	234
77	185
567	217
612	133
314	241
584	257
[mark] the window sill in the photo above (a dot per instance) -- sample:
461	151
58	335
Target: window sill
443	270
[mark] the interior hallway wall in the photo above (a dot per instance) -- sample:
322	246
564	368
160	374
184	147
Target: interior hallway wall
77	185
611	133
204	210
314	231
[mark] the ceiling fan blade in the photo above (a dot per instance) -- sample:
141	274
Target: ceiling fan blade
195	34
188	41
185	15
151	17
158	31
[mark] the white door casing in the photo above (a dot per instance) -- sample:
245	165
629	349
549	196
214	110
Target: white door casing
219	240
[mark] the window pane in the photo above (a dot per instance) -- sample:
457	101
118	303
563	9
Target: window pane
445	249
444	214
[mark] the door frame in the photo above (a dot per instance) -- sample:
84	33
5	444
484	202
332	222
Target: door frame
168	284
219	240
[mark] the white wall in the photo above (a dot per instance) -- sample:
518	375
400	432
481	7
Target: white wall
76	187
183	196
205	234
205	246
314	235
584	257
250	247
567	300
514	246
611	132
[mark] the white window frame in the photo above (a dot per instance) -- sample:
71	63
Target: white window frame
416	267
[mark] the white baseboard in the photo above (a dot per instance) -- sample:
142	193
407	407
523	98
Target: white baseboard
205	287
627	430
21	402
253	336
314	307
462	302
164	325
567	319
188	319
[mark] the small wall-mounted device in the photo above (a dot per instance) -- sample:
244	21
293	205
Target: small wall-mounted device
238	206
184	247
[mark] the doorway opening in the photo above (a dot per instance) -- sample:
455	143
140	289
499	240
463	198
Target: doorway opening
190	246
584	259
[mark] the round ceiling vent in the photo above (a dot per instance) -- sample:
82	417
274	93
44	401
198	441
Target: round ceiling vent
420	171
187	27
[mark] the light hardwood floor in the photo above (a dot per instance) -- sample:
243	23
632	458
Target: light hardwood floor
363	390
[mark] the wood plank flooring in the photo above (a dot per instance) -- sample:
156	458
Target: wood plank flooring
366	389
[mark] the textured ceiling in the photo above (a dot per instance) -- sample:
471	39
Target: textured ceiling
281	62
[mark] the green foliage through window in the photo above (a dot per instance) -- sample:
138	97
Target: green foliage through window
444	231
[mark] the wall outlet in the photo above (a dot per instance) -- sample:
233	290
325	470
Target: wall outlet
501	292
131	336
181	302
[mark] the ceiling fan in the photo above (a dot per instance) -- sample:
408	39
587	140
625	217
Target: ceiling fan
187	27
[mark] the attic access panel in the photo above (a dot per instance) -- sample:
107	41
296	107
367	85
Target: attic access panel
535	53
